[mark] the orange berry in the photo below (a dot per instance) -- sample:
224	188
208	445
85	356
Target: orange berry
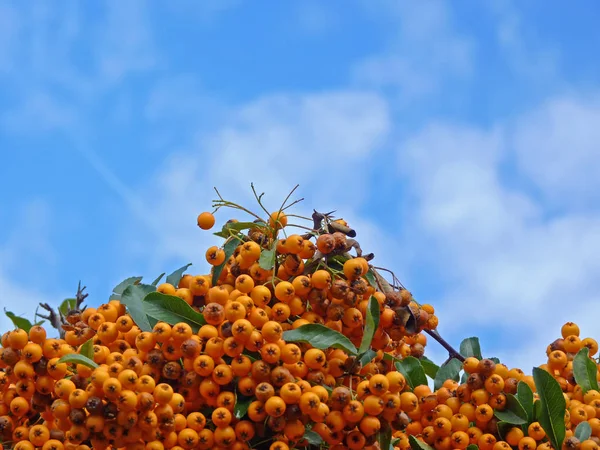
206	220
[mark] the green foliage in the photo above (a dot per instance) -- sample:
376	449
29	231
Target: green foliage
470	348
228	248
76	358
371	324
87	349
584	370
19	322
174	277
171	309
321	337
133	299
416	444
513	413
412	370
241	407
448	371
552	406
525	397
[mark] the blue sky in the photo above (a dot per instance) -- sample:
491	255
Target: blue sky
458	138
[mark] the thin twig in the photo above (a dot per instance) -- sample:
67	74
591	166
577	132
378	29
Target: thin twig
451	351
259	199
288	197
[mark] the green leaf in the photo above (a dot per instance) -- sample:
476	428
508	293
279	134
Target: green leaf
504	428
525	396
239	226
429	366
370	276
19	322
133	298
537	410
172	310
412	370
158	278
267	259
87	349
384	437
584	370
321	337
472	447
367	357
67	305
470	347
371	324
114	297
254	356
174	277
553	405
513	413
312	437
449	371
496	360
120	288
583	431
241	407
76	358
416	444
228	248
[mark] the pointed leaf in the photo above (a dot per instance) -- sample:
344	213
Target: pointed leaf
525	396
67	305
366	357
513	413
172	309
583	431
76	358
228	248
239	226
371	324
114	297
553	406
470	347
174	277
412	370
584	370
504	428
158	278
370	276
417	444
321	337
267	259
537	410
120	288
429	366
241	407
312	437
449	371
87	349
19	322
133	299
384	437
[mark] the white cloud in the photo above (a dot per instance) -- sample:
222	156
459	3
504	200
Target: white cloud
507	267
321	141
9	27
26	249
424	52
557	148
125	40
535	61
